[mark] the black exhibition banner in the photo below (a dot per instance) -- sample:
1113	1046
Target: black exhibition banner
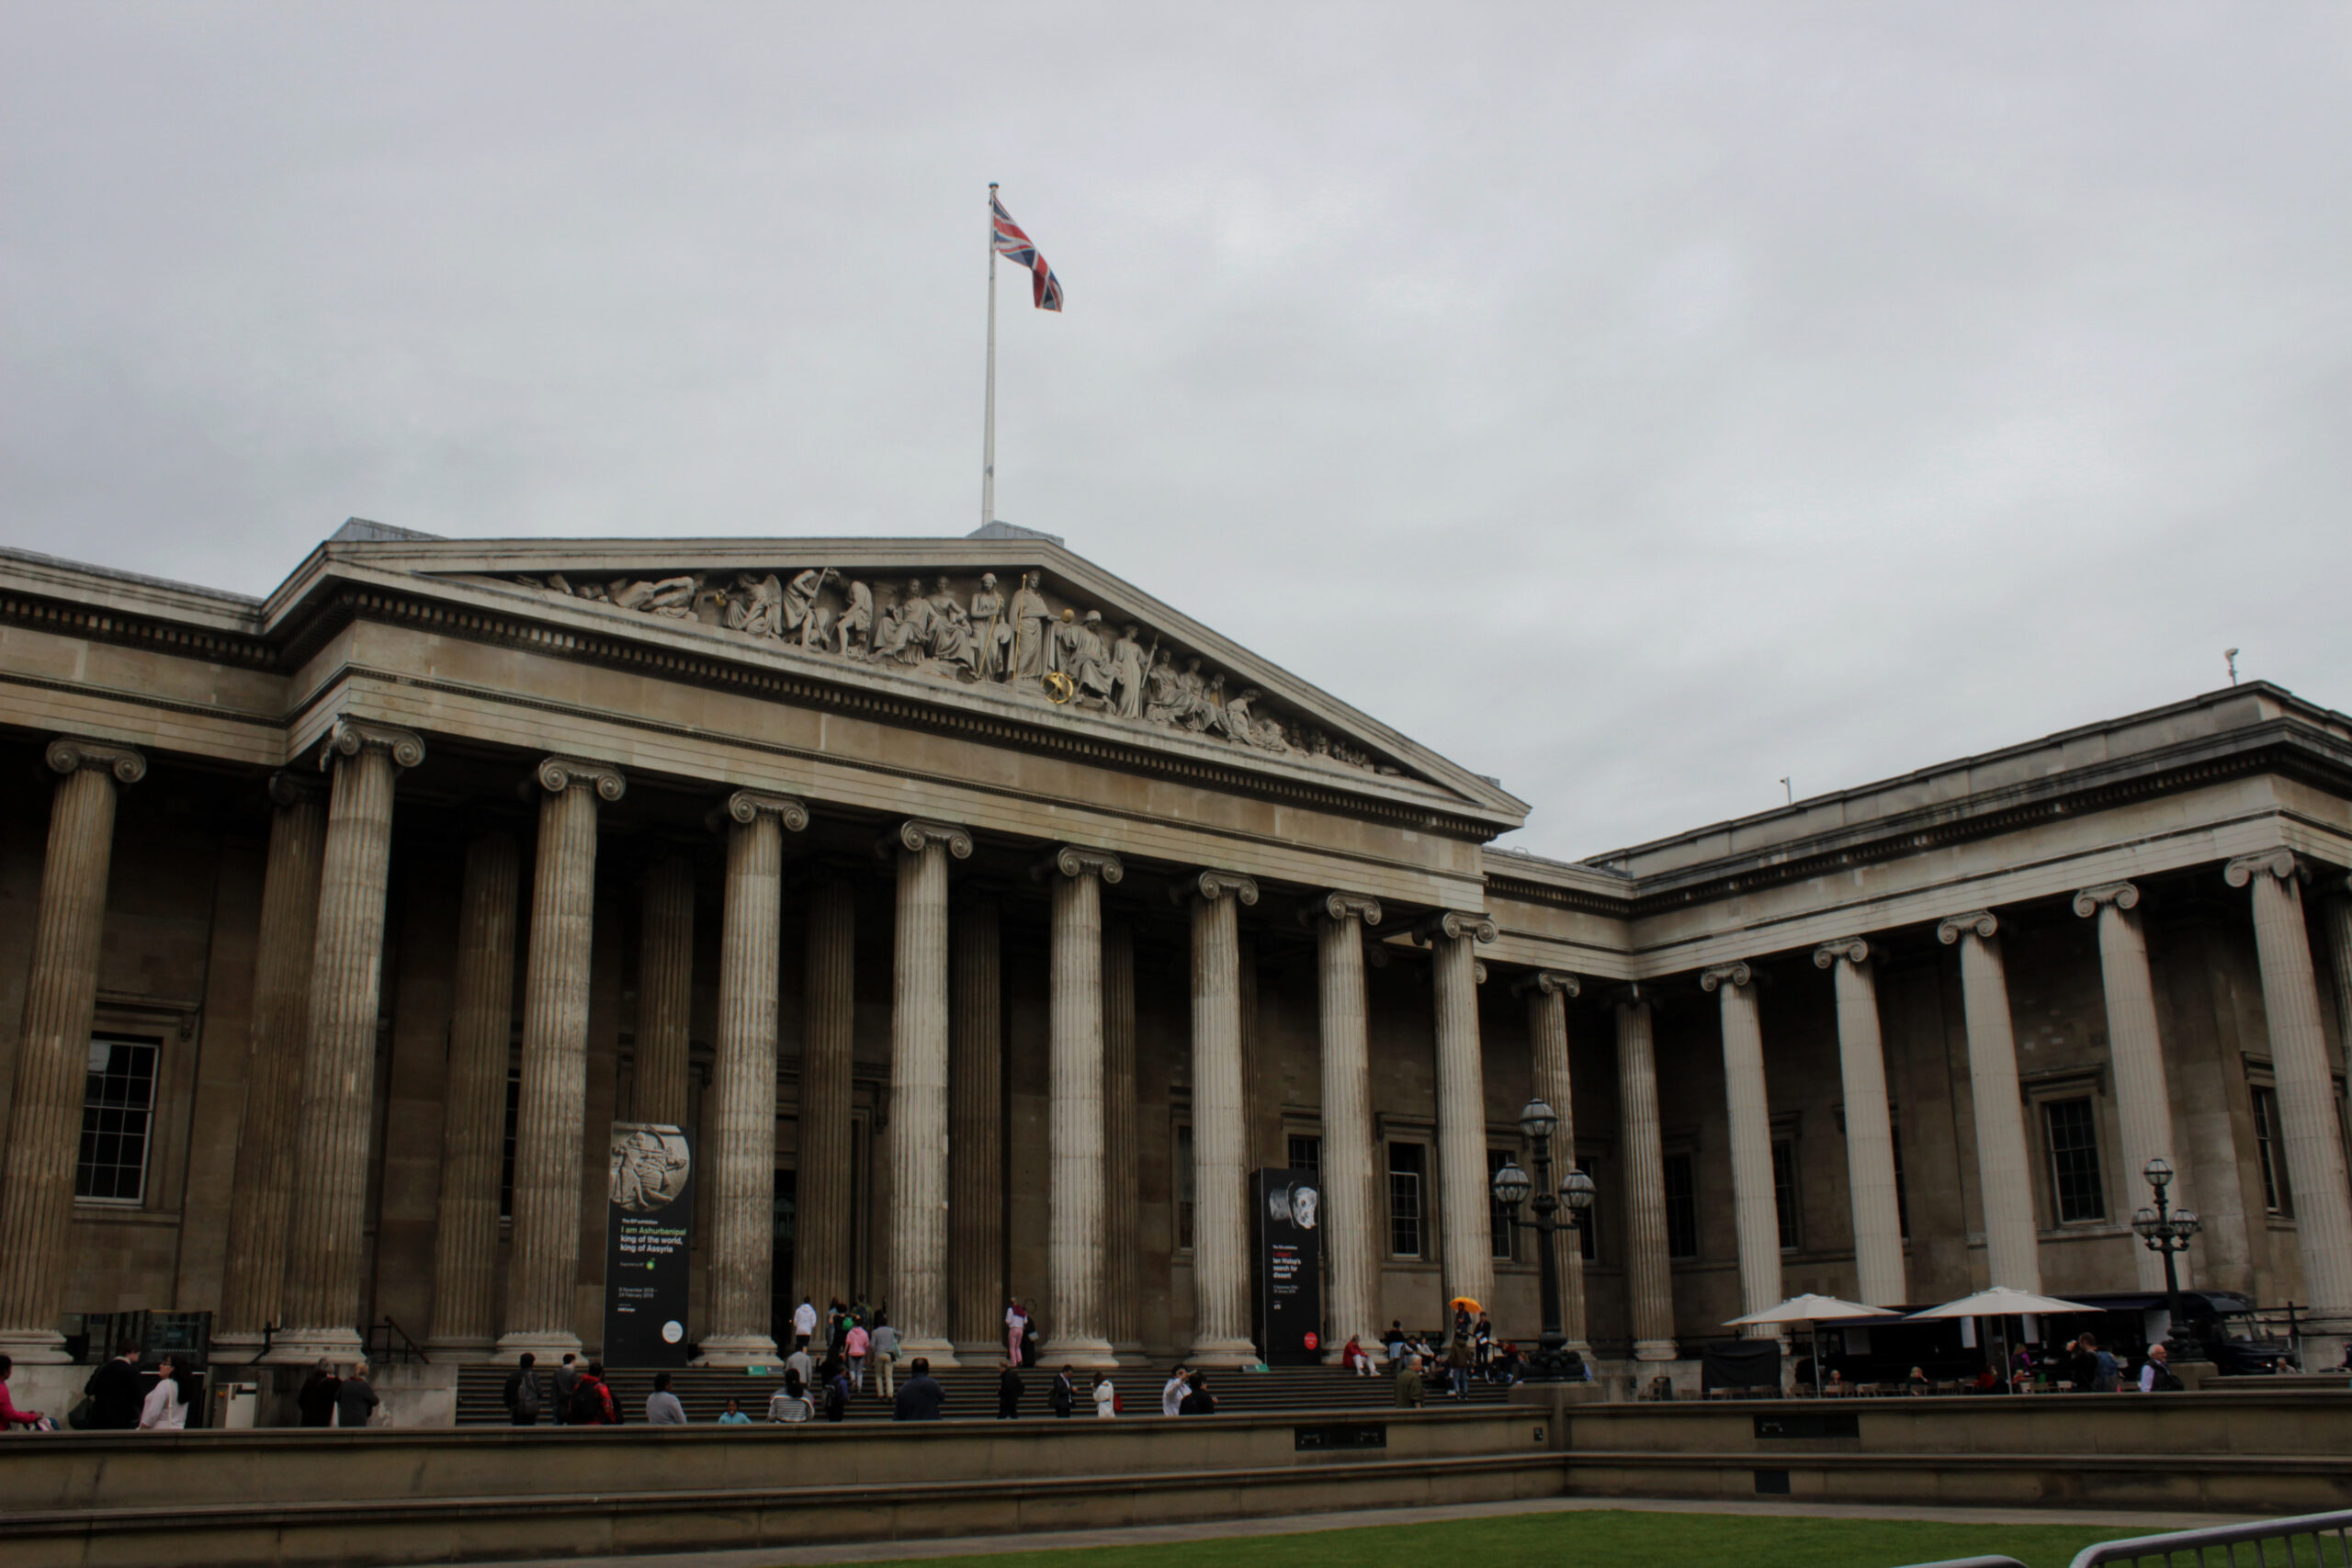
1290	1267
646	1236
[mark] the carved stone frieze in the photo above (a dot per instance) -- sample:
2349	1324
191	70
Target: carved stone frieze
72	753
558	774
1024	643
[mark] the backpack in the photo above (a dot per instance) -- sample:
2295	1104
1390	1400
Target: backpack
587	1403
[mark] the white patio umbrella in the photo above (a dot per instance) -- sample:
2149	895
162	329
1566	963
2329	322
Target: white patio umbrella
2002	1301
1812	1310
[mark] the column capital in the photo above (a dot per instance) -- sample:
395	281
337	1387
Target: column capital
747	806
1477	971
287	787
349	736
1074	860
557	774
2282	863
1455	925
915	834
1213	884
1980	922
1737	974
1852	949
1635	994
72	753
2122	895
1338	906
1549	983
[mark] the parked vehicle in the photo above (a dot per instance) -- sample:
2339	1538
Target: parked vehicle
2221	1322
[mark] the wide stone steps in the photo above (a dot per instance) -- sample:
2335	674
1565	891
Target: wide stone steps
971	1392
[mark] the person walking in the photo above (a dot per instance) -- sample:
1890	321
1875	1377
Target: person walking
804	1324
316	1400
883	1348
799	1365
164	1410
1172	1393
733	1415
1015	1321
10	1417
355	1401
1106	1397
1008	1392
854	1344
1457	1367
522	1392
661	1406
567	1380
116	1396
921	1398
1408	1383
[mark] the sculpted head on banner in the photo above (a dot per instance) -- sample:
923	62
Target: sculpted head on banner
649	1170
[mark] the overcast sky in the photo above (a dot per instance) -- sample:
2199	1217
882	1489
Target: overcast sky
1639	403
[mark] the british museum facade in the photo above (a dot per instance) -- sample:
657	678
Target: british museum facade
975	927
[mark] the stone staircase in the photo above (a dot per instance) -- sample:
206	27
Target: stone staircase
971	1392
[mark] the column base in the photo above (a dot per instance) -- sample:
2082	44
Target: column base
549	1346
1655	1351
39	1347
299	1346
1090	1353
234	1346
462	1351
738	1351
1225	1353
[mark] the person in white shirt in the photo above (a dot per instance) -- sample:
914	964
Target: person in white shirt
1172	1392
661	1406
164	1412
804	1324
1106	1398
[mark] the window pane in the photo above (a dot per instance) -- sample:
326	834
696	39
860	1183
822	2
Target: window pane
1501	1239
1405	1200
2073	1161
117	1113
1307	1152
2277	1197
1784	1192
1681	1207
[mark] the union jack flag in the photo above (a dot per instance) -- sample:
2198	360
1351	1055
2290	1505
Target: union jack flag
1044	288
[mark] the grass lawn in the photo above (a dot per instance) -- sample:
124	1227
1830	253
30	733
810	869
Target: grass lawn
1606	1539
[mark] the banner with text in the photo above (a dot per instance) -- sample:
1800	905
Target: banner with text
646	1230
1290	1267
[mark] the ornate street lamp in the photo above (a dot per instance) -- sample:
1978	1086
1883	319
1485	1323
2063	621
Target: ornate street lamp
2167	1230
1550	1363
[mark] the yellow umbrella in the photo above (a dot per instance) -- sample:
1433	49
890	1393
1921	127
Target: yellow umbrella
1470	1301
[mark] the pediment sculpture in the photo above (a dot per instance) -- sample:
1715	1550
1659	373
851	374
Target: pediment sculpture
979	633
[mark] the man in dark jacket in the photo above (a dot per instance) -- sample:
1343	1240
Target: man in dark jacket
1008	1393
567	1378
919	1397
1061	1396
522	1392
316	1402
117	1392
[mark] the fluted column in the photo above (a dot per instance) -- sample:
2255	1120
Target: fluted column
1352	1206
1074	1251
473	1135
542	1270
252	1281
738	1143
1879	1270
821	1256
53	1047
326	1248
2003	1173
2307	1109
1123	1170
1756	1218
976	1127
919	1120
665	993
2143	1098
1465	1219
1547	992
1221	1335
1649	1287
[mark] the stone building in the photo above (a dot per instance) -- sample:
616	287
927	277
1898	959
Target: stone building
985	922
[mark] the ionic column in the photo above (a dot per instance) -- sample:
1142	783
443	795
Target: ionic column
2143	1098
253	1282
53	1048
1465	1219
1122	1171
2002	1174
821	1256
1074	1251
1649	1287
665	993
481	1028
326	1246
543	1268
1351	1205
919	1119
2307	1109
1880	1271
738	1141
976	1128
1221	1335
1547	992
1756	1218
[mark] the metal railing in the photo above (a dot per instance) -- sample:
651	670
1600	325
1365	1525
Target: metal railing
2305	1541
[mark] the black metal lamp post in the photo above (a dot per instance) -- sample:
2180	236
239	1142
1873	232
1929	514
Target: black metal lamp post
1550	1363
2167	1230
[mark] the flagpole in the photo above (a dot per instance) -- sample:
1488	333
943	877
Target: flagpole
988	438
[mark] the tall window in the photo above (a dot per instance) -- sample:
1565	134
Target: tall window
2278	1198
118	1119
1681	1206
2073	1160
1784	1192
1588	1236
1502	1241
1183	1186
506	1150
1404	1201
1307	1152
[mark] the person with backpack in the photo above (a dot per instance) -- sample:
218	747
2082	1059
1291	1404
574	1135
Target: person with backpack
522	1393
591	1401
